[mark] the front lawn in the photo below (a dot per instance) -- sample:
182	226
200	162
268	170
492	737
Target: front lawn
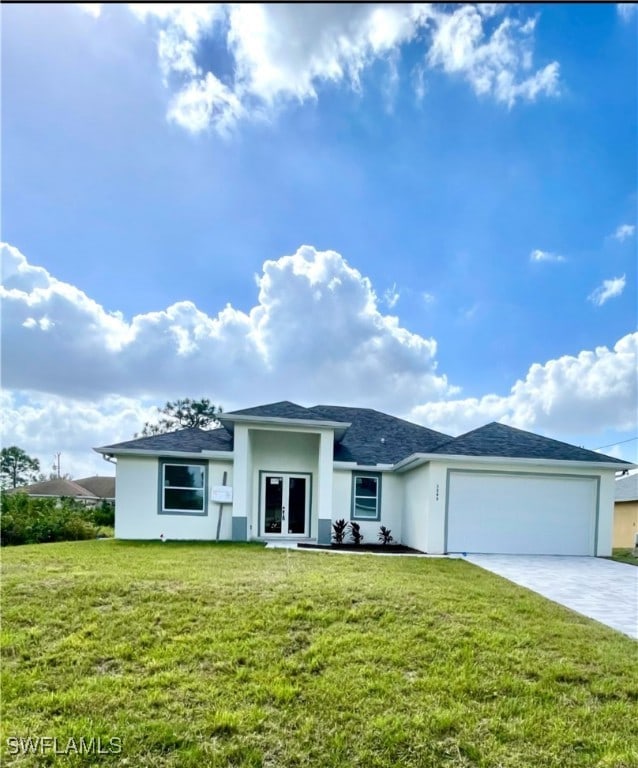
215	655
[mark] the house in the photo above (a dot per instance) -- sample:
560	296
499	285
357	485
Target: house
89	490
626	512
288	472
102	487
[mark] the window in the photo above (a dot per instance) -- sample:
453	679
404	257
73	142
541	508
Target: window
182	488
366	496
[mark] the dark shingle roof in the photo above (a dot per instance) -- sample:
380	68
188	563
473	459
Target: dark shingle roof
192	440
375	438
100	487
281	410
500	440
362	441
627	488
59	486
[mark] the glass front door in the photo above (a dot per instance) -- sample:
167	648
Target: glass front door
285	505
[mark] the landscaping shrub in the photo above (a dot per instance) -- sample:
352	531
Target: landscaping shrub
339	529
355	533
28	520
104	513
385	536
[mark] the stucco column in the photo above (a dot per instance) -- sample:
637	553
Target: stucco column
241	484
324	506
436	507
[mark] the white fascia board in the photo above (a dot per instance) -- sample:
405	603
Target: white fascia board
339	427
416	459
363	467
228	455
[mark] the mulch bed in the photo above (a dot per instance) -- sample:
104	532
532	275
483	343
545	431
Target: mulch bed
390	549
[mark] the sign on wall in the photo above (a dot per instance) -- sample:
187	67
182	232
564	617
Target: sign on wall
223	494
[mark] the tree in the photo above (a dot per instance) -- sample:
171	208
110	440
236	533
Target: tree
17	467
180	414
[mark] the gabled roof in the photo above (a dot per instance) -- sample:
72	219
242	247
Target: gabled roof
378	438
496	439
192	440
627	488
284	409
59	486
102	487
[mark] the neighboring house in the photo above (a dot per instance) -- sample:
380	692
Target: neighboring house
102	487
626	512
89	490
295	470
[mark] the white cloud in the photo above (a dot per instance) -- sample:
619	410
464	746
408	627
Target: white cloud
93	9
608	290
286	52
45	424
428	298
584	394
626	11
538	255
495	65
59	341
624	231
391	296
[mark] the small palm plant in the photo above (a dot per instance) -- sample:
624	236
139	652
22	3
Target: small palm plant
355	533
339	531
385	536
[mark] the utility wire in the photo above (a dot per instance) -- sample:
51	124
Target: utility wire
618	442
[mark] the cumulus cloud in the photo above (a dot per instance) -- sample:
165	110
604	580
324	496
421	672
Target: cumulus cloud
76	375
538	255
44	425
608	290
586	393
59	341
624	231
284	53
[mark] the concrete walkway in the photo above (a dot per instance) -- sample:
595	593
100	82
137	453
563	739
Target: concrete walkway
603	590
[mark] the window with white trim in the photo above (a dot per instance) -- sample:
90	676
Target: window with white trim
182	488
366	496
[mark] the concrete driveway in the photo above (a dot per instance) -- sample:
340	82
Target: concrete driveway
603	590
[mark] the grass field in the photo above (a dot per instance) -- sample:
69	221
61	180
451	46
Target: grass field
217	655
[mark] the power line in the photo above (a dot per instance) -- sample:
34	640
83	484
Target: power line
618	442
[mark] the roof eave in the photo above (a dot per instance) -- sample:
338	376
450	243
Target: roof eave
151	452
416	459
363	467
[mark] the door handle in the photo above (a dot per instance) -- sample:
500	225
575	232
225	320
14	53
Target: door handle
283	513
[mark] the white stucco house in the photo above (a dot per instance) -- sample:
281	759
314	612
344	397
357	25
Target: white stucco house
288	472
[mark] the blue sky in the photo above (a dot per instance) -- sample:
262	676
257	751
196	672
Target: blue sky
464	178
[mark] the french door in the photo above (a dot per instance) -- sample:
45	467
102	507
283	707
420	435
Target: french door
285	503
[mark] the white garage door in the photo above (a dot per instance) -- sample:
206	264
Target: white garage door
523	514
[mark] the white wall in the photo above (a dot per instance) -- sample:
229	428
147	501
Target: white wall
415	507
606	513
391	504
136	504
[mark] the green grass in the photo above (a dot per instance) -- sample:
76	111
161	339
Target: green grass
624	556
219	655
